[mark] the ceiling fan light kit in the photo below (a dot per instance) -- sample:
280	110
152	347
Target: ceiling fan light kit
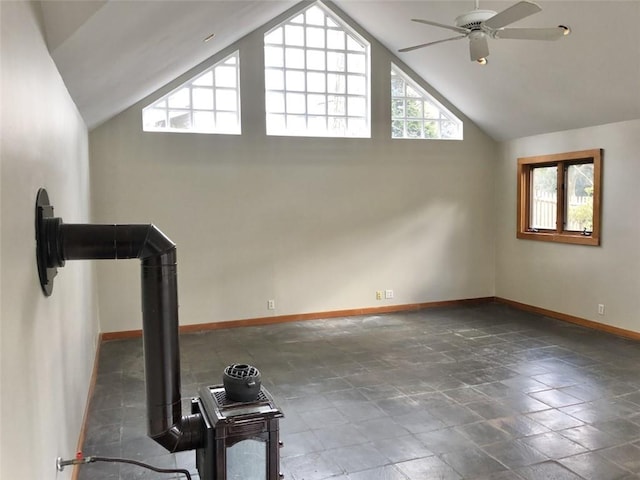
480	25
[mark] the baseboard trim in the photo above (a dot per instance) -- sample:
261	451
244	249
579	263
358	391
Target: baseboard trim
621	332
252	322
92	386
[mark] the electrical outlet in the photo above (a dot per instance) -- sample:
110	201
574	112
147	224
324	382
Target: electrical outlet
379	295
388	294
271	304
601	309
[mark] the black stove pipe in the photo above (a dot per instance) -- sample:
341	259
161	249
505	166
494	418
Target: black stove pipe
58	242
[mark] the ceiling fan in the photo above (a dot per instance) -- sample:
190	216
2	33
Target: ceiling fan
480	25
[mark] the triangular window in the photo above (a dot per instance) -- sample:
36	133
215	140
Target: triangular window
316	77
416	114
208	103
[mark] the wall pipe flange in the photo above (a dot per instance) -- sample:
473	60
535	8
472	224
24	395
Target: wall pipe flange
46	226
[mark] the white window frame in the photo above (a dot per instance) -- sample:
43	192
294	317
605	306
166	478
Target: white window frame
219	103
293	107
444	115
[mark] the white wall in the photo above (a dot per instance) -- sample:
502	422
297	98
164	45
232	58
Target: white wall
574	279
316	224
47	344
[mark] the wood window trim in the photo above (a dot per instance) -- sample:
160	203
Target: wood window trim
525	167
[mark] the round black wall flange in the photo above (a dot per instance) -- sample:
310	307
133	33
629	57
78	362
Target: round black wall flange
46	228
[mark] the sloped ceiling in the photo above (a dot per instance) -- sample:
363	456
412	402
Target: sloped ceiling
113	53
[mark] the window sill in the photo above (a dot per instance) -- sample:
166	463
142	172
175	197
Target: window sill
576	239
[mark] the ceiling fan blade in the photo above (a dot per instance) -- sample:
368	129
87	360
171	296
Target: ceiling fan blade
478	47
441	25
415	47
512	14
553	33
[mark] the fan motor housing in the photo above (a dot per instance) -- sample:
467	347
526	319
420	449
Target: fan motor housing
472	20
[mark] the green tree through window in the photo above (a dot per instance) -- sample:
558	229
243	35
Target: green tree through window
416	114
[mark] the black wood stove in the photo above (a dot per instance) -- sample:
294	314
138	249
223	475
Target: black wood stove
241	441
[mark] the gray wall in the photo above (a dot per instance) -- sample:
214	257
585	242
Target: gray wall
47	344
316	224
574	279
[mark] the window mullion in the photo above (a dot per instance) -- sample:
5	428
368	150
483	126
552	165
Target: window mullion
561	197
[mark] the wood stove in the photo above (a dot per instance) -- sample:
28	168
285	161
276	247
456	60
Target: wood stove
241	440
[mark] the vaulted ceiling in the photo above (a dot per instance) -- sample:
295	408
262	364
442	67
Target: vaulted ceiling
112	53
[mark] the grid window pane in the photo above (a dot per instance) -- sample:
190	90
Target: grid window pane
295	103
180	99
322	87
336	39
155	118
431	111
226	100
415	114
275	102
226	121
316	60
357	107
397	107
273	56
204	120
275	36
414	108
397	129
226	76
294	57
318	123
294	35
315	16
336	83
179	119
357	62
277	124
357	124
205	80
317	104
414	129
336	61
337	105
352	45
195	105
203	98
297	123
295	81
316	82
315	37
274	79
357	85
431	130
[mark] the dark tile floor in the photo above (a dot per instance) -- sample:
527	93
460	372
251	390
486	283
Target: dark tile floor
483	392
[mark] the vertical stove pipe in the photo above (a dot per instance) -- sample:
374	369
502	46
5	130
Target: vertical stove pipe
58	242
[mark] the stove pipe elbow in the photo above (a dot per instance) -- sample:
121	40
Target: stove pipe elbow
58	242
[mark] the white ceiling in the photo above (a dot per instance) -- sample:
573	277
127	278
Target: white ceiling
112	53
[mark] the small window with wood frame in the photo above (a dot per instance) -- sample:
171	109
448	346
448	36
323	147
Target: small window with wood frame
559	197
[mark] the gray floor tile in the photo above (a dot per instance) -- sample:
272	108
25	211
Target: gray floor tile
593	466
429	467
481	392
